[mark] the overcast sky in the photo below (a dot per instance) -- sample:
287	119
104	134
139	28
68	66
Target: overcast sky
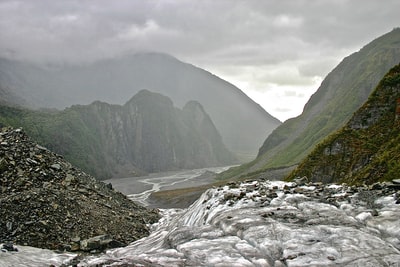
277	52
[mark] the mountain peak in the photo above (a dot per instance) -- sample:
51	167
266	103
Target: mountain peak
147	134
115	80
144	96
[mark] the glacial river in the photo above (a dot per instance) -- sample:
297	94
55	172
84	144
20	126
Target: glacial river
140	188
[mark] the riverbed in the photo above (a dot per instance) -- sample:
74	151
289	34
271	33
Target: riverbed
139	189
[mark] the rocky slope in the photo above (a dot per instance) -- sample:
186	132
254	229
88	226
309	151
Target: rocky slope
341	93
367	148
147	134
48	203
114	80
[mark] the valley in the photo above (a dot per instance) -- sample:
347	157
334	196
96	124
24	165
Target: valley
139	189
147	161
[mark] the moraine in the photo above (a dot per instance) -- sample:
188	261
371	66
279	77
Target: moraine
262	223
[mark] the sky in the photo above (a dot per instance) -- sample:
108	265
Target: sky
276	51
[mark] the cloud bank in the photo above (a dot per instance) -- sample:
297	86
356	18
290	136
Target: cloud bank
263	47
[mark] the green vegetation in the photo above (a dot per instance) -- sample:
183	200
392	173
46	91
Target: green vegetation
147	134
57	131
367	148
347	87
341	93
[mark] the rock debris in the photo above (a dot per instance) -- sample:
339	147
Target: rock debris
48	203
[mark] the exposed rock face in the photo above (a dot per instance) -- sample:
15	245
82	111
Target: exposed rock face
114	80
48	203
341	93
147	134
367	149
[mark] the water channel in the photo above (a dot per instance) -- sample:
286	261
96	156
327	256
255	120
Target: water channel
140	188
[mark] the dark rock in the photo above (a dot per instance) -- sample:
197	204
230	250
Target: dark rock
331	258
230	196
396	181
109	186
376	186
60	202
9	246
394	186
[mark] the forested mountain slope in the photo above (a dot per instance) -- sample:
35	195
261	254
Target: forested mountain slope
341	93
115	80
146	134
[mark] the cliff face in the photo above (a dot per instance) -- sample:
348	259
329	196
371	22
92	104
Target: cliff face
341	93
147	134
115	80
366	149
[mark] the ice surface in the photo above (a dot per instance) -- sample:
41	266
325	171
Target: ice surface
29	256
264	224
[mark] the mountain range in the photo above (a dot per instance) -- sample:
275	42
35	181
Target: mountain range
242	123
146	134
341	93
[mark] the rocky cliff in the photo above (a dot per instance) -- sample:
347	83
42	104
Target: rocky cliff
115	80
48	203
366	149
147	134
341	93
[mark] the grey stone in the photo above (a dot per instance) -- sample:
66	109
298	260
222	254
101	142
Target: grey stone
396	181
56	166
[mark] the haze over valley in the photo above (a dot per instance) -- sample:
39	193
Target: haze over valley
199	133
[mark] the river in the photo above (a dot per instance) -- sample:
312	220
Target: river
139	189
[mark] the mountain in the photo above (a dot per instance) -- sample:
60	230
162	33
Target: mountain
146	134
341	93
114	80
7	97
367	148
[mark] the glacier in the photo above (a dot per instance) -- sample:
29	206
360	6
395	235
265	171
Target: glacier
258	223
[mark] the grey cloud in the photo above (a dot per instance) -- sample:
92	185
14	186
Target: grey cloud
236	32
282	109
292	93
262	44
